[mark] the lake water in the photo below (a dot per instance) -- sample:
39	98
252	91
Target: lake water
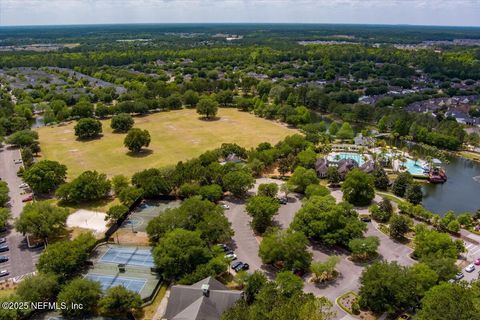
461	193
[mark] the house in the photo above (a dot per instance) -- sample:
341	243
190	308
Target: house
360	140
207	299
321	167
345	166
368	167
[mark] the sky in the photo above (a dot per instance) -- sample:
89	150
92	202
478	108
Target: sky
414	12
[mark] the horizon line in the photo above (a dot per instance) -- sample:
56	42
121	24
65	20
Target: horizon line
237	23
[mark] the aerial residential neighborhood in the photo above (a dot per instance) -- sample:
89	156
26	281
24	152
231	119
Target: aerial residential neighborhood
239	160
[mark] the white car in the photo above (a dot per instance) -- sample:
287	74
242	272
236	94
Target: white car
225	206
231	256
4	273
470	267
23	186
18	161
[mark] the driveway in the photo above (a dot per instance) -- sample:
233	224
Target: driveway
22	260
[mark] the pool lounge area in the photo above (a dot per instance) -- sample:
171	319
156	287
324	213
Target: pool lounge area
337	156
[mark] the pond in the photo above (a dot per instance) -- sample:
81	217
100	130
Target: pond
461	193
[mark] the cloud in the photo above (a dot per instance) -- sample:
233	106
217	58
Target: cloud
439	12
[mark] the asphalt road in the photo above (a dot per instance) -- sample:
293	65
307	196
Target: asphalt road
22	260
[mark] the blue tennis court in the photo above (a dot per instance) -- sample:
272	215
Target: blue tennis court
134	284
129	256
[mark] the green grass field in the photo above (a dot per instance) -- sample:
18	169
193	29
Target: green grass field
176	135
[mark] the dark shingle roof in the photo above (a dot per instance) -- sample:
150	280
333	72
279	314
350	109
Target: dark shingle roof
190	303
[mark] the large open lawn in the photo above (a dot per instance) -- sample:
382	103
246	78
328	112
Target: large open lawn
176	135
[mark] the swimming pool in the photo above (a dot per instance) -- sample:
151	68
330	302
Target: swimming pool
415	168
337	156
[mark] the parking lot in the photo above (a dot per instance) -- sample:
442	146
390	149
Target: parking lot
245	245
21	259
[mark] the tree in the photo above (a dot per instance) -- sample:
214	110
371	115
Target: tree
153	181
38	288
129	195
262	209
358	188
431	242
4	216
45	176
211	192
333	129
42	219
316	190
253	285
179	252
333	176
23	138
122	122
401	183
386	286
324	271
88	128
399	225
136	139
307	158
383	211
119	302
424	278
88	186
288	283
381	179
207	107
301	178
116	212
66	258
82	292
4	197
268	190
414	193
238	182
285	249
119	182
345	132
190	98
320	218
450	301
364	248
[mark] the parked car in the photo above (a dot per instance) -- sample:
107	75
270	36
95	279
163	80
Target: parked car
477	262
236	264
224	247
283	200
225	206
4	248
238	267
18	161
470	267
3	240
231	256
3	229
245	266
366	219
28	198
3	259
23	186
4	273
459	276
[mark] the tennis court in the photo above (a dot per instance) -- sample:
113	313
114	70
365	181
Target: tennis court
128	256
107	282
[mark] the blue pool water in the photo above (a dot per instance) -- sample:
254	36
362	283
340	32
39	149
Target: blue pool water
346	155
414	168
